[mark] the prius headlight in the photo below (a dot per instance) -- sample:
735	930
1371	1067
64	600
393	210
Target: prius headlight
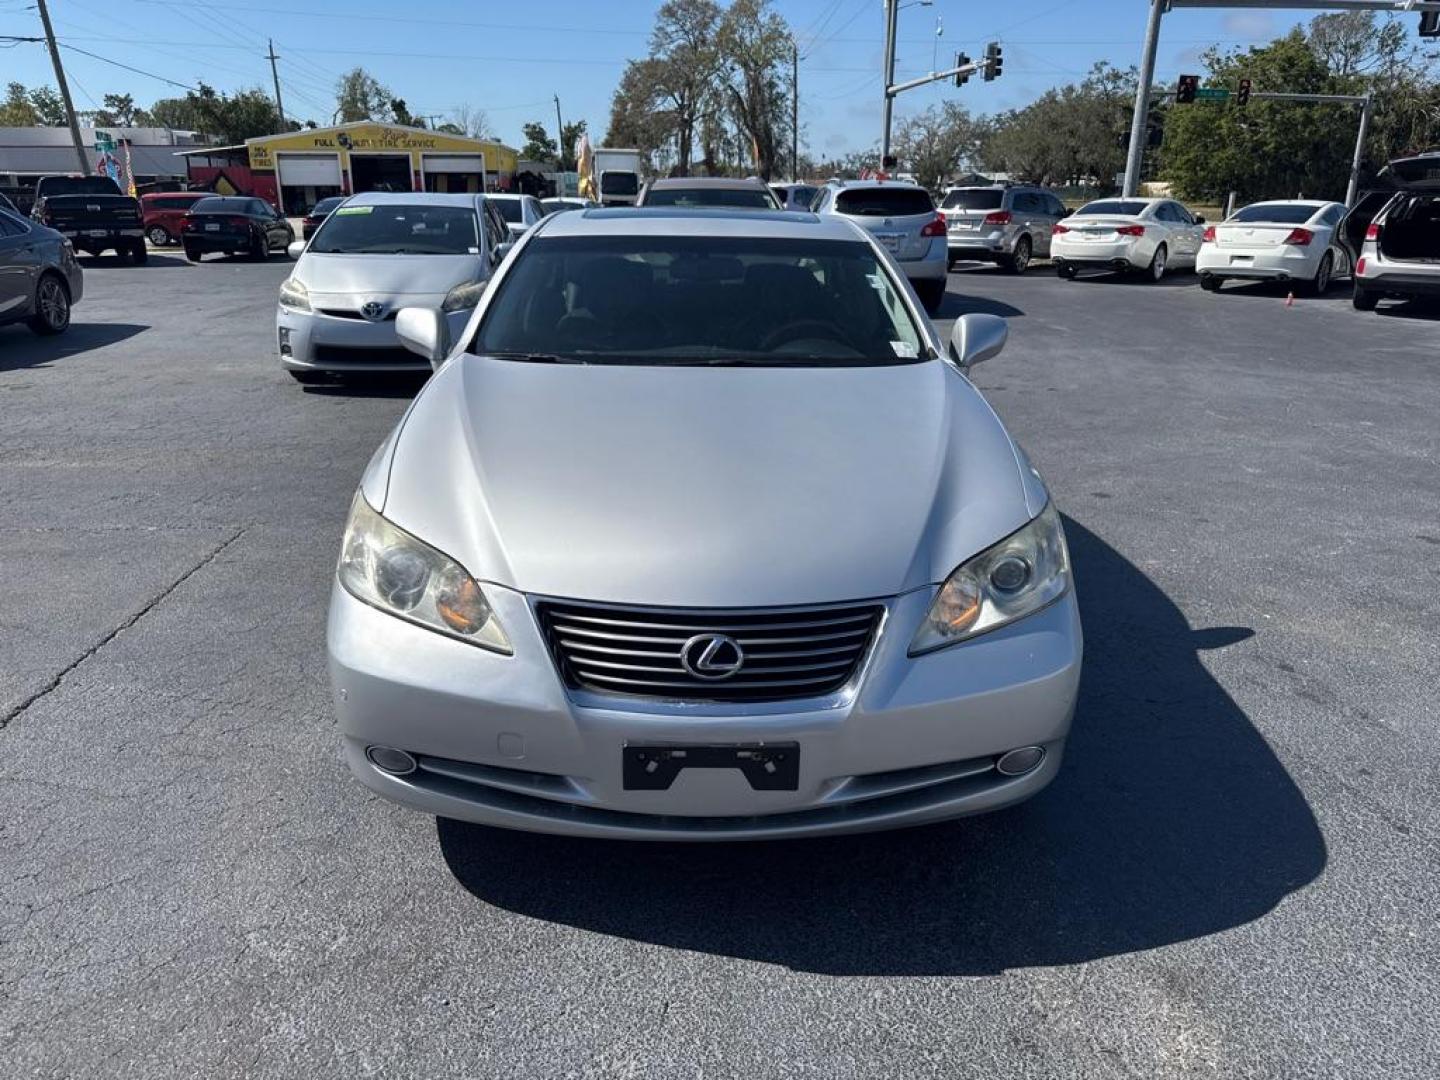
387	568
294	295
464	296
1018	576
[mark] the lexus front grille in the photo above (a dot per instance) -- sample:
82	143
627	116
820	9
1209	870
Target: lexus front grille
719	654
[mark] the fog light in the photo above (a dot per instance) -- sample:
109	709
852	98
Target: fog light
285	342
388	759
1014	763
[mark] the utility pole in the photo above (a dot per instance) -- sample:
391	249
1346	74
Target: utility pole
1352	191
1140	120
560	135
794	110
275	74
64	89
892	9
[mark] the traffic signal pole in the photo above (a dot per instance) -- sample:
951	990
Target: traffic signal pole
1152	40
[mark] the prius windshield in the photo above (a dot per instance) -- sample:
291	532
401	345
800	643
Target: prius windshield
763	301
398	229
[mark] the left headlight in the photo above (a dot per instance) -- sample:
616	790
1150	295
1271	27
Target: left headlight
1017	577
294	295
463	296
387	568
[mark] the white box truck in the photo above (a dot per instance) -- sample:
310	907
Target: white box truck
617	176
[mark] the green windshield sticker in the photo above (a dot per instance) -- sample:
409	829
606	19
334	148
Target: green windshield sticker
353	210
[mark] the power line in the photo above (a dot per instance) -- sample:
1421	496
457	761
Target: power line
127	67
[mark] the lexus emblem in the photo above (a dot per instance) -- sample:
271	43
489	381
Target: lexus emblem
373	310
712	656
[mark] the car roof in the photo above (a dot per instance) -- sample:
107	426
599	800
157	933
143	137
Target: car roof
410	198
507	196
1317	203
708	183
849	185
679	221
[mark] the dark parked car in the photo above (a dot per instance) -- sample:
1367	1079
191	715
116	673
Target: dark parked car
163	211
318	213
39	276
92	213
238	224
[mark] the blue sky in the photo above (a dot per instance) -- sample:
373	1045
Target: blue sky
509	58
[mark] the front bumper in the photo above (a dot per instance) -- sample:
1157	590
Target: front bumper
314	341
1286	263
501	741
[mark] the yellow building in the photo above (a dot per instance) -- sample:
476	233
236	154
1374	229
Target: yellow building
302	167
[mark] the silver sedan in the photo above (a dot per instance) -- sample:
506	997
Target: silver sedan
700	531
40	278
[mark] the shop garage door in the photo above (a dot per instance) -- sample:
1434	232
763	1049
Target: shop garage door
455	163
308	170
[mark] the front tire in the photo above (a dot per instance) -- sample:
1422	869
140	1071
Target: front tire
1018	262
158	235
932	294
1364	299
52	307
259	249
1156	269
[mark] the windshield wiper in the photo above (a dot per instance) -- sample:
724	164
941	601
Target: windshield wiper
536	357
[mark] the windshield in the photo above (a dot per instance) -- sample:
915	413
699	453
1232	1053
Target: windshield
619	183
699	300
324	206
884	202
749	198
398	229
1278	213
974	199
1125	207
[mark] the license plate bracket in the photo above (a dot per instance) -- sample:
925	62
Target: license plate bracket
767	766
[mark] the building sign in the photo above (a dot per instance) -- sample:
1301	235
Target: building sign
370	138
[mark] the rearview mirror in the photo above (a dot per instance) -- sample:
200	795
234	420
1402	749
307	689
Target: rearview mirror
296	248
424	331
976	338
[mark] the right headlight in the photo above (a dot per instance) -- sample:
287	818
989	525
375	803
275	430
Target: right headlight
463	296
1016	577
387	568
294	295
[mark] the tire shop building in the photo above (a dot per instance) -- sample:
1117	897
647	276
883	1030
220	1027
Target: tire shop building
297	169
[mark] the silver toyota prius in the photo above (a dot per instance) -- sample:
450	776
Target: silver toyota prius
700	531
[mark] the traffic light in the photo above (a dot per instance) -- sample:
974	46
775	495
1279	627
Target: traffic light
961	78
1185	89
994	61
1430	24
1242	93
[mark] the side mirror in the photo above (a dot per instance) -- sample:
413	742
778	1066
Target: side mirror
424	331
504	248
296	248
976	338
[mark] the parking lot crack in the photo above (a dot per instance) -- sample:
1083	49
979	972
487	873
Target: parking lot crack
54	683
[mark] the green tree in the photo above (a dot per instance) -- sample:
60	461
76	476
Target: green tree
179	114
756	43
936	142
17	111
569	136
232	118
49	107
538	145
400	114
361	96
686	64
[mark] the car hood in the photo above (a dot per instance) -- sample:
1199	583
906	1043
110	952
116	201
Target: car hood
392	275
705	486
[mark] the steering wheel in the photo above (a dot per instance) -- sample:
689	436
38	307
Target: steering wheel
799	330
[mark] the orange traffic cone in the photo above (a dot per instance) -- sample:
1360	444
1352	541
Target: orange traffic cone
1290	300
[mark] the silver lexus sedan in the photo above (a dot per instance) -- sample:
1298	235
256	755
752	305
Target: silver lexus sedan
700	531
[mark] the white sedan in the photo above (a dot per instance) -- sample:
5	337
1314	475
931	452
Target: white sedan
1148	235
1291	240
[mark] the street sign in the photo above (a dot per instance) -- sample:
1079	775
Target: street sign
1212	93
104	142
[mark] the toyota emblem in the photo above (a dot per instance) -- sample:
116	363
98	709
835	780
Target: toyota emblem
712	656
373	310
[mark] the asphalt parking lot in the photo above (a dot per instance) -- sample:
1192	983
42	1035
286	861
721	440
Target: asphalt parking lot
1234	874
